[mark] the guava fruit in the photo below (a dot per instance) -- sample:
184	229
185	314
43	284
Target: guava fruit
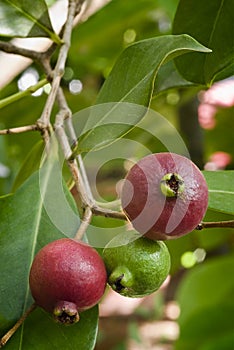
165	196
136	268
66	277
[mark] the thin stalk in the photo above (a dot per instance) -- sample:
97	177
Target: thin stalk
13	98
19	129
12	331
84	223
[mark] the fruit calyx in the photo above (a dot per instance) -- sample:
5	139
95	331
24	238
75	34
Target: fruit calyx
118	286
172	185
66	312
121	279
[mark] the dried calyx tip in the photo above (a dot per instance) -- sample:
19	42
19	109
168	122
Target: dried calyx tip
172	185
66	313
117	284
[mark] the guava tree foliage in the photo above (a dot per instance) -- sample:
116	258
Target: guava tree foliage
39	208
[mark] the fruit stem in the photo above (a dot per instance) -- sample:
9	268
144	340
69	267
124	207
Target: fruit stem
172	185
87	217
216	224
11	331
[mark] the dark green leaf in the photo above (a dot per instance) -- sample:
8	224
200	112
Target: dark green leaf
221	190
212	238
30	164
211	23
133	75
41	332
129	87
26	19
169	78
35	215
208	328
205	286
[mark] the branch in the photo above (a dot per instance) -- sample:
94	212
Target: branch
216	224
8	47
108	213
12	331
43	121
19	130
84	223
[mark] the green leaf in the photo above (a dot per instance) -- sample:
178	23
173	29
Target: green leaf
211	23
30	164
169	78
27	223
205	286
208	328
129	87
213	238
221	190
26	19
205	300
41	332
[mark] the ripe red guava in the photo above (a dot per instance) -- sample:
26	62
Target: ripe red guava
165	196
66	277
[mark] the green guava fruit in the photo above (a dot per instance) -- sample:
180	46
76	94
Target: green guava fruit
136	268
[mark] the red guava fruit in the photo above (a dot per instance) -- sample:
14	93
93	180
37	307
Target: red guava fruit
67	277
165	196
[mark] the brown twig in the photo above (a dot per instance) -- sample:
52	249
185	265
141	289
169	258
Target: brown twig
87	217
216	224
19	129
43	121
12	331
8	47
108	213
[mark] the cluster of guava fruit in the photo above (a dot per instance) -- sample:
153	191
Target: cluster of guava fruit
164	196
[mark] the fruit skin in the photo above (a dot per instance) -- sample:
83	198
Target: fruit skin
66	277
138	268
151	212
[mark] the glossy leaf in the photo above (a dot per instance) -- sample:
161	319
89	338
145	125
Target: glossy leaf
25	226
210	328
212	238
129	86
205	299
169	78
206	285
26	19
211	23
30	164
221	190
41	332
